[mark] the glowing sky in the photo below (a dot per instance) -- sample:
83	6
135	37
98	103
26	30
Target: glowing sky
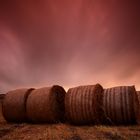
69	42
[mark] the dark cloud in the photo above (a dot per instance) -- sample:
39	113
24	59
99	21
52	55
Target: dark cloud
69	42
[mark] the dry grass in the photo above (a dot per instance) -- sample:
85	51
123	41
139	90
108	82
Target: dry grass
65	132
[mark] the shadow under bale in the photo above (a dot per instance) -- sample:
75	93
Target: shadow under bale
14	105
84	105
46	105
121	104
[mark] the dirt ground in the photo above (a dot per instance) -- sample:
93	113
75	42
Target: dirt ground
9	131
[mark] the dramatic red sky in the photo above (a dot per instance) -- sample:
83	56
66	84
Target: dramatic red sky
69	42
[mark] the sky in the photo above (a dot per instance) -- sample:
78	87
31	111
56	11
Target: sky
69	43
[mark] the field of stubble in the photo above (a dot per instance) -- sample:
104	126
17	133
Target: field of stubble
9	131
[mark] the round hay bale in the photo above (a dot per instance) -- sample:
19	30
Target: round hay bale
83	105
46	105
121	104
14	105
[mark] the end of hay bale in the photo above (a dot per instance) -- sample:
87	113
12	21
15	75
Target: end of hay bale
60	98
135	104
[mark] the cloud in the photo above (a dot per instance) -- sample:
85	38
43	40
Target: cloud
69	43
